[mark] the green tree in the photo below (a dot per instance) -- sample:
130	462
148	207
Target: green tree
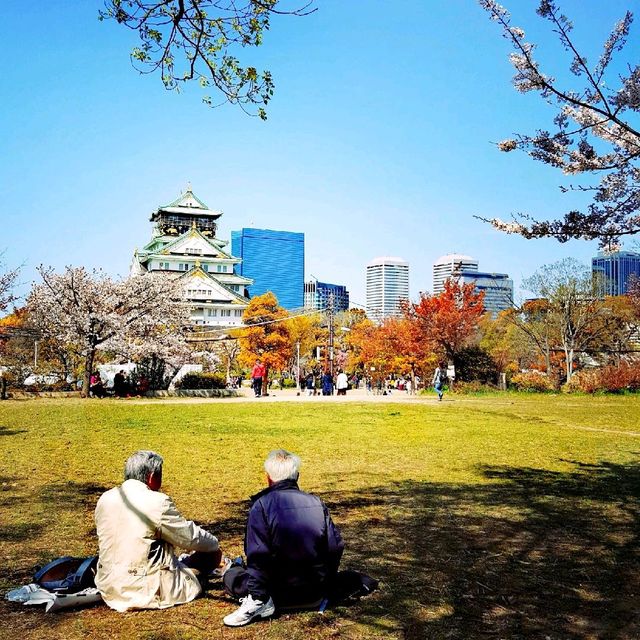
576	319
195	40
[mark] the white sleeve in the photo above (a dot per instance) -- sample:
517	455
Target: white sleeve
182	533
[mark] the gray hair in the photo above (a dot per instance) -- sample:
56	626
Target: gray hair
142	464
282	465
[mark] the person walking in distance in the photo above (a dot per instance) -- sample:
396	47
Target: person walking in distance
439	379
257	374
342	383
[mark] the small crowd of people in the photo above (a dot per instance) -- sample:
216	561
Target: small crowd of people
326	382
292	547
123	386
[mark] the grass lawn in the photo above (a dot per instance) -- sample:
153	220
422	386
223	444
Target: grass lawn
495	517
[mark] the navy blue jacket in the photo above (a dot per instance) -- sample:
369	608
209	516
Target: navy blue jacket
293	549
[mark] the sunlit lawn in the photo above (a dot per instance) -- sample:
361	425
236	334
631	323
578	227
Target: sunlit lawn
503	516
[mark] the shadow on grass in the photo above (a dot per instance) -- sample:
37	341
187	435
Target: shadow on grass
533	554
6	431
71	495
529	554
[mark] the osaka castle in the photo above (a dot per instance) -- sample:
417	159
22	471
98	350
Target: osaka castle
184	246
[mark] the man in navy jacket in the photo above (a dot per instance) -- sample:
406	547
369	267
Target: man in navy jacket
293	548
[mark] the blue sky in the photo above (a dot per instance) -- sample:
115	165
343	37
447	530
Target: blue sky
378	142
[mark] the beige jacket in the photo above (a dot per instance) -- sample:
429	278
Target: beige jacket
137	531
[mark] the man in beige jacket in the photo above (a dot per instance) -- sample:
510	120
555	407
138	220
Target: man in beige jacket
138	528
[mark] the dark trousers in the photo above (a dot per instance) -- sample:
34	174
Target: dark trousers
236	582
239	582
257	386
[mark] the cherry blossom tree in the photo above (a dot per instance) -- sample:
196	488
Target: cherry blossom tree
195	40
8	279
88	311
594	135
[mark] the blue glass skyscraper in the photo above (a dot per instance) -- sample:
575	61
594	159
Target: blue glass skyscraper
319	295
616	269
276	261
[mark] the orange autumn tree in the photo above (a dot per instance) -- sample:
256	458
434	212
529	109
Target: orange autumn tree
448	321
392	347
266	335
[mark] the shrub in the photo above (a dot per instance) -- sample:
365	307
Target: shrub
610	379
472	387
202	381
288	383
474	363
156	372
532	381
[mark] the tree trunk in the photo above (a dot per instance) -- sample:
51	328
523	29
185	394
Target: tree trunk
547	361
569	363
413	381
88	370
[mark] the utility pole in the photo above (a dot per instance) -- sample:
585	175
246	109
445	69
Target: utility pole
331	331
298	366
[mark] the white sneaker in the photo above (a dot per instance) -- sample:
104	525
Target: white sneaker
248	610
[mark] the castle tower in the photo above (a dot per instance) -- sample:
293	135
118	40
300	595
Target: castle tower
184	247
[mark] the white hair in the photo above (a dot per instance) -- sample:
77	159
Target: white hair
142	464
282	465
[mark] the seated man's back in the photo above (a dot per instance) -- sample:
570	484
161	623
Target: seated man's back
138	528
292	539
293	548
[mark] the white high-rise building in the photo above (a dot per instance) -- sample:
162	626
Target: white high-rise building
450	266
387	287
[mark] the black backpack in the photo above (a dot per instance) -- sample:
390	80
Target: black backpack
349	585
67	574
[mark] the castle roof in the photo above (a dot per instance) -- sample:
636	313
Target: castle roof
187	204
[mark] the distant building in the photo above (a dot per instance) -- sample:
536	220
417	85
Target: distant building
184	247
449	266
274	261
615	270
497	287
317	295
387	287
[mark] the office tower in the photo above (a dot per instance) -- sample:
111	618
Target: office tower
497	287
615	270
184	247
449	266
274	260
317	295
387	287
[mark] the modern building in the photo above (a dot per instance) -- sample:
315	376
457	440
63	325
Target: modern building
319	295
615	270
497	287
184	247
274	261
387	287
450	266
